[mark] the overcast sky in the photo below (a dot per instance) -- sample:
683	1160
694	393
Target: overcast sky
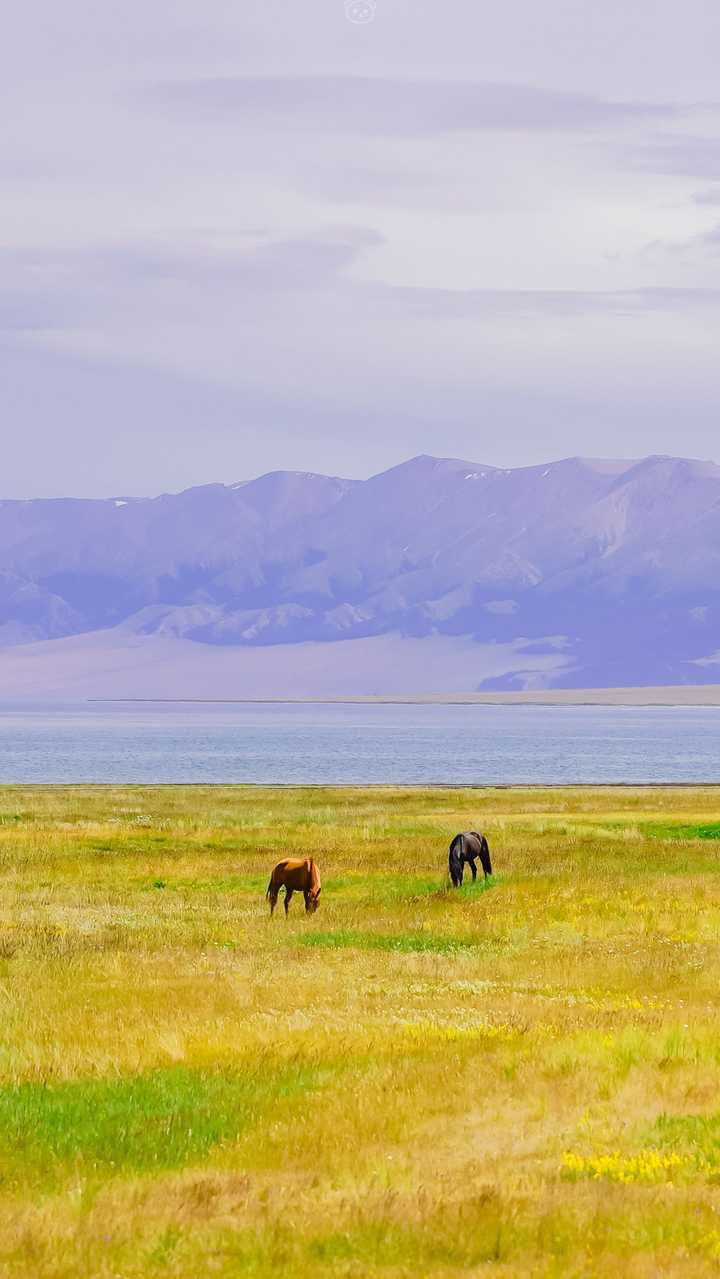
241	235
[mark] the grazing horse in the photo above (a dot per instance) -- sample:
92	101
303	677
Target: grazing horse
295	876
466	848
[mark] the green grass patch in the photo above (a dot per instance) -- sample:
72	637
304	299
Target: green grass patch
705	830
475	888
695	1134
675	1148
160	1120
402	943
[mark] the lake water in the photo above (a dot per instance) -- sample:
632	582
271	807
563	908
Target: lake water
452	745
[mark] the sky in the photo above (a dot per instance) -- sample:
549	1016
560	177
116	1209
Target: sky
245	235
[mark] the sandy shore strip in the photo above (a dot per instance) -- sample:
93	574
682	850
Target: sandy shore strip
672	695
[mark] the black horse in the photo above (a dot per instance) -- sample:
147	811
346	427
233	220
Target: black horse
467	848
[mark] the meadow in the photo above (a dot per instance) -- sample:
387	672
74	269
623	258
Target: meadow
513	1079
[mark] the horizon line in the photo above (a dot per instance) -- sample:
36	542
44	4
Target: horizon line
626	463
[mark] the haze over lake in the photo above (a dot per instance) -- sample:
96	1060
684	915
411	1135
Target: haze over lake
346	744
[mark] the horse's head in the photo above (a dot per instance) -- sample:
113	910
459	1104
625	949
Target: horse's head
312	900
313	890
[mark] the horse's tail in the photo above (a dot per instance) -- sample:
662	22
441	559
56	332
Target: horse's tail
267	894
485	856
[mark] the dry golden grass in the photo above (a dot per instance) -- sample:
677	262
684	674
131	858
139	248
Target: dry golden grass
521	1080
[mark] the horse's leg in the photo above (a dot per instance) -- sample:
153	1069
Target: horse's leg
288	895
473	868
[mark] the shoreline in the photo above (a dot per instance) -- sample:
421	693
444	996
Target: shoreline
364	786
698	696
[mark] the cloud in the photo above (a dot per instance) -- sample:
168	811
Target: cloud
441	303
46	290
709	197
391	107
282	354
123	289
301	260
692	249
174	177
685	156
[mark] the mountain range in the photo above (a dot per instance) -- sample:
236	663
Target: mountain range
578	573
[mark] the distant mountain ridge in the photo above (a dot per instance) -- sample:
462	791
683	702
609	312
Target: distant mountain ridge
608	571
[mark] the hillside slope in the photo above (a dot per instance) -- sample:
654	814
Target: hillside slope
589	572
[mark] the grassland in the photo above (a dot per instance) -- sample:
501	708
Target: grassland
521	1079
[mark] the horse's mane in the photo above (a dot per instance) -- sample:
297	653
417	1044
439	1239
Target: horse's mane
314	876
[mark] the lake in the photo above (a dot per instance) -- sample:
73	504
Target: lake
370	744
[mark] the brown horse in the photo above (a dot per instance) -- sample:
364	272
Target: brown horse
295	876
